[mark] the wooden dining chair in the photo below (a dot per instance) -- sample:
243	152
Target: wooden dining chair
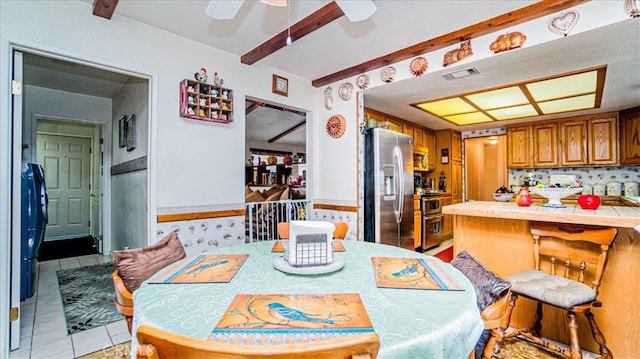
124	299
339	233
586	247
155	343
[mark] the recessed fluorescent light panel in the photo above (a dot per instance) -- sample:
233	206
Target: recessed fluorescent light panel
573	91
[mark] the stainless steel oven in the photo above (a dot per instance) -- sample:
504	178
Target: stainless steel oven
432	220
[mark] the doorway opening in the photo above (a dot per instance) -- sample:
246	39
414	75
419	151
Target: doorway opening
485	166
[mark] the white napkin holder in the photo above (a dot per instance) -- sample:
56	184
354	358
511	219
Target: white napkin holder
310	243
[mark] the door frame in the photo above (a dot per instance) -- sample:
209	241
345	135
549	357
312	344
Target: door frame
11	132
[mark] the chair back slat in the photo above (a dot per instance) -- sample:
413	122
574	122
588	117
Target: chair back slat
582	250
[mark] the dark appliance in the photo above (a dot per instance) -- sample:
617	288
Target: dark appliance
388	187
432	219
34	220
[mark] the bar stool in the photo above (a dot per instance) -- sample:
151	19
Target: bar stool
584	246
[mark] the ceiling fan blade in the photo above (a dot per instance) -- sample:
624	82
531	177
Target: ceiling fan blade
223	9
357	10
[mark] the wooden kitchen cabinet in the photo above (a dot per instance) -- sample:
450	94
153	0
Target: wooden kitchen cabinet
602	135
630	136
456	181
447	219
590	141
429	141
456	146
417	222
417	137
519	147
407	130
545	151
573	143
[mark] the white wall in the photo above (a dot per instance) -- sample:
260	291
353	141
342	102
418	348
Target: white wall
129	191
192	164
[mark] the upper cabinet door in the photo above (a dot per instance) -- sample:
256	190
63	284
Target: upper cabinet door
603	141
573	143
545	149
519	147
630	136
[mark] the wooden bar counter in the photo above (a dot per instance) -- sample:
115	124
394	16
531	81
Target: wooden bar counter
497	234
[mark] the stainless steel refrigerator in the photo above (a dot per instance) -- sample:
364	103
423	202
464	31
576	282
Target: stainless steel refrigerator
388	188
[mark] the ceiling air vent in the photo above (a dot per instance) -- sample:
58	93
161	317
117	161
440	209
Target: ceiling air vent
460	74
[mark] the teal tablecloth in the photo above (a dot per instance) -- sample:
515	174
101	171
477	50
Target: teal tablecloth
411	323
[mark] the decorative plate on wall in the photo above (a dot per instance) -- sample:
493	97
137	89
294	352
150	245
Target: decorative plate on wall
564	23
388	74
419	66
336	126
363	81
345	90
328	98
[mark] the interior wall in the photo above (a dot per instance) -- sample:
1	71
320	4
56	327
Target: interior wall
129	191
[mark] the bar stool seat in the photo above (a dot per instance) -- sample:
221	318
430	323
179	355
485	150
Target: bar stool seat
552	289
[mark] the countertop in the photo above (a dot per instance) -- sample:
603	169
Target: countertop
614	216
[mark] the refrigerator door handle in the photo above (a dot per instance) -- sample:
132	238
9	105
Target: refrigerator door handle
399	175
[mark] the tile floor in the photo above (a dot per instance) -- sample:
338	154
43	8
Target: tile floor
43	329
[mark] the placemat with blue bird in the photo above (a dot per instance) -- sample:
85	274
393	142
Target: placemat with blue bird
261	319
411	273
205	269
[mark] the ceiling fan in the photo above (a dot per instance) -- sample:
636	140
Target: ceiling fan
354	10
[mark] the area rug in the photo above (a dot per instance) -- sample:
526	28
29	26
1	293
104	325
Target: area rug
66	248
516	348
87	297
118	351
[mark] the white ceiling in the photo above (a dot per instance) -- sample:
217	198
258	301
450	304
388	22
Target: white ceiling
395	25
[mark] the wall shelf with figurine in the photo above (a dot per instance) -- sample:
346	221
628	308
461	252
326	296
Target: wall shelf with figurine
205	102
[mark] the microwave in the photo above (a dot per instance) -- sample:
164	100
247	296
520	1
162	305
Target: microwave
420	159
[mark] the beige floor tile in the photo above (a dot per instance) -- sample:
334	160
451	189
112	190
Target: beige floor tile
59	349
89	341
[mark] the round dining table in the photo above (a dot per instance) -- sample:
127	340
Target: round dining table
411	323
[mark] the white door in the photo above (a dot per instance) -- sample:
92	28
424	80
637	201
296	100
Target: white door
67	170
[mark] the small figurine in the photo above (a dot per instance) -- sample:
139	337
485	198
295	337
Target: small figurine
190	88
458	54
217	81
201	113
190	111
201	76
191	100
214	92
224	107
215	106
214	114
225	95
507	42
203	102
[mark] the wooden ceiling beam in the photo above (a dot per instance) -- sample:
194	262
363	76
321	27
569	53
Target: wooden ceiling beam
104	8
284	133
309	24
498	23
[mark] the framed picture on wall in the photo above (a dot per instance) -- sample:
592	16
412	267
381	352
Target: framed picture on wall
131	132
122	131
280	85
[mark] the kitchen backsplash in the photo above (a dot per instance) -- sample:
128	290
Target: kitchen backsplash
588	175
